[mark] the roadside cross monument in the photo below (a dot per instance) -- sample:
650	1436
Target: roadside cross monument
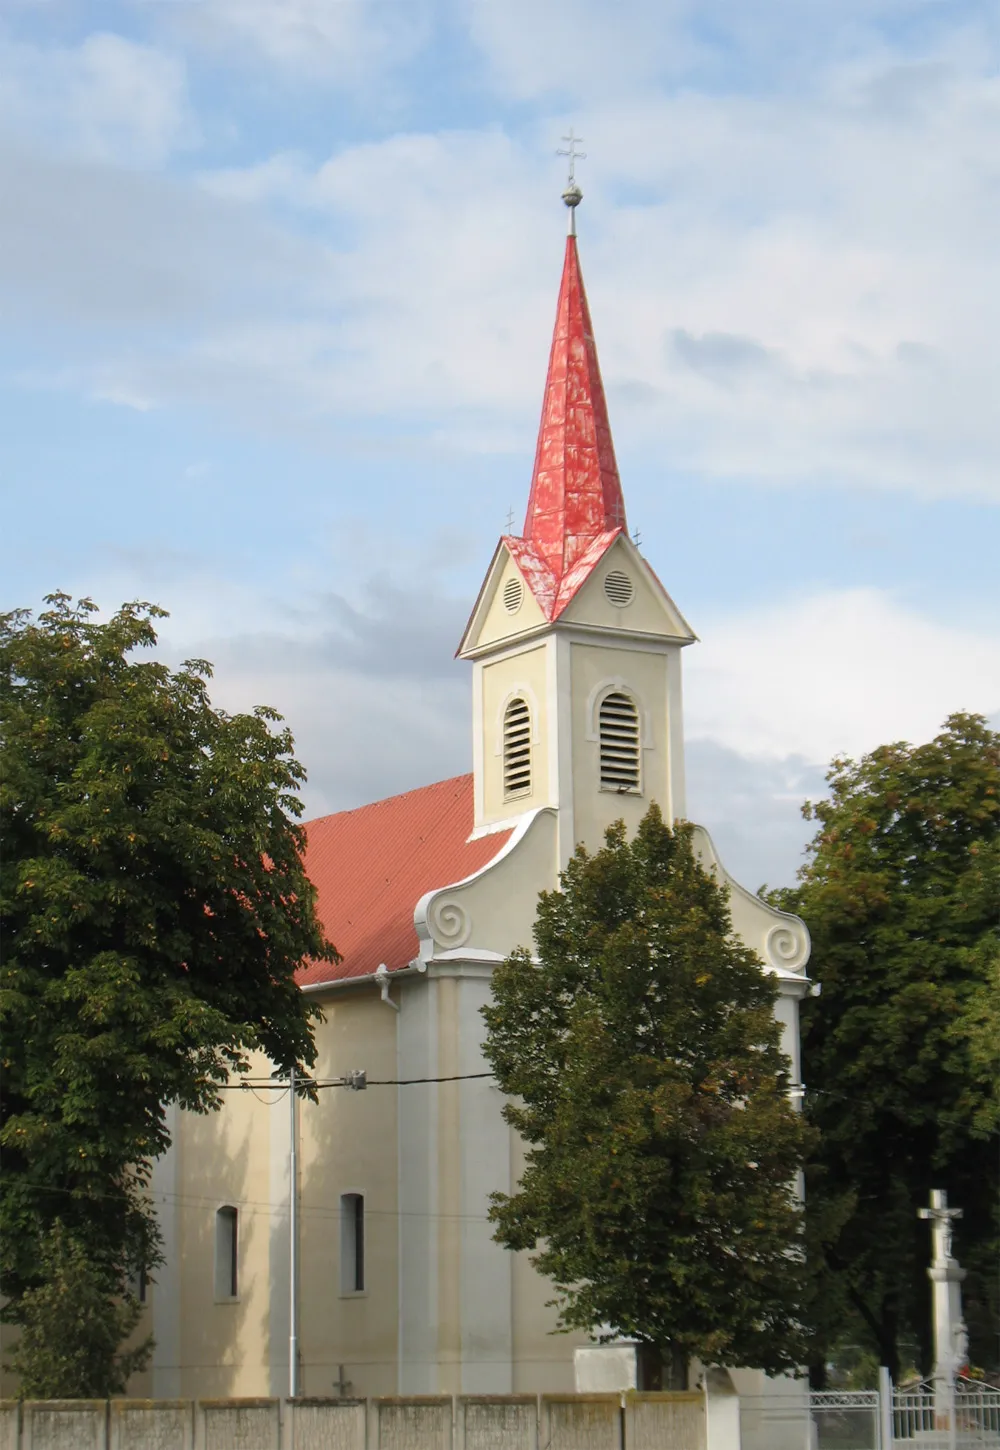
946	1276
951	1344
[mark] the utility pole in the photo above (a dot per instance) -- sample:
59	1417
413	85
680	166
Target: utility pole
293	1240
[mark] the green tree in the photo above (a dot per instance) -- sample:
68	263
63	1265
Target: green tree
642	1055
72	1327
154	909
901	894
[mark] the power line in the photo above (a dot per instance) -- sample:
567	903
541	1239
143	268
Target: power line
281	1085
409	1081
256	1207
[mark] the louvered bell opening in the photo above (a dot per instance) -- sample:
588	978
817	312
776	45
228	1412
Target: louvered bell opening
516	749
619	731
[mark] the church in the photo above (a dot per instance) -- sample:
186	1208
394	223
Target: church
342	1246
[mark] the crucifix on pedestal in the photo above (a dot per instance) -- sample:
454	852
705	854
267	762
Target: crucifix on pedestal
946	1275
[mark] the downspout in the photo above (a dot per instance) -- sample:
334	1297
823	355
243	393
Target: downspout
382	977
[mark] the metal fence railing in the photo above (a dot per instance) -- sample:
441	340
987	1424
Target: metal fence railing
937	1415
930	1415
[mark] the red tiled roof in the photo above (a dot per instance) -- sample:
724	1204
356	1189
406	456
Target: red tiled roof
371	866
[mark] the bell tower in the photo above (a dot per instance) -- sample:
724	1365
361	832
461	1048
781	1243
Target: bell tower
574	642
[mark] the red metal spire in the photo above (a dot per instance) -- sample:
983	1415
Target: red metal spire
576	494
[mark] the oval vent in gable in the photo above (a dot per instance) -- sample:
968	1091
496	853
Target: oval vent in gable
513	593
618	588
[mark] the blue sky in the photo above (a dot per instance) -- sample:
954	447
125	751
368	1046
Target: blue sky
277	279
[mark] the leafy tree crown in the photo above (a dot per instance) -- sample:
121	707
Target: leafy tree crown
154	910
642	1057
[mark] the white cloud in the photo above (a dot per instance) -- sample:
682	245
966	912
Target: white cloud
841	671
806	293
377	703
350	41
580	47
366	678
789	286
132	267
752	808
107	99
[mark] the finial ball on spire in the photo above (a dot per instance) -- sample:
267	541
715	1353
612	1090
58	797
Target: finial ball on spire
572	196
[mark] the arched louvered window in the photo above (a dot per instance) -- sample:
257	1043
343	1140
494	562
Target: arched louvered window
516	749
618	729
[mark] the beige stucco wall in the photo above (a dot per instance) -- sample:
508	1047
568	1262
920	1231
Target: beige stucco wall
347	1145
523	673
595	668
498	623
448	1228
495	911
224	1159
239	1156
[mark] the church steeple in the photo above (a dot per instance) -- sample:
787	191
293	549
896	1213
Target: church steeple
576	493
574	642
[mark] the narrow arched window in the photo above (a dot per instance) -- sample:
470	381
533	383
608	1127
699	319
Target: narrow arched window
227	1283
516	749
352	1243
618	729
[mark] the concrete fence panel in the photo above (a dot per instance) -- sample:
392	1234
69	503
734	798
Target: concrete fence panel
417	1422
497	1422
581	1422
665	1421
64	1425
151	1425
238	1425
325	1424
10	1424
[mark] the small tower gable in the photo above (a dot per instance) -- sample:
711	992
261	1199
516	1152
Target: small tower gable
622	593
506	608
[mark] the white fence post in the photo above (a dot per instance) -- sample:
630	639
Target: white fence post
885	1406
722	1411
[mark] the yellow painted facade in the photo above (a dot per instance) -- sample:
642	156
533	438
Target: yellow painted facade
522	674
400	1288
443	1309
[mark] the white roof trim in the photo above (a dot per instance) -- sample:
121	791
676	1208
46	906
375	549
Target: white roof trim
457	930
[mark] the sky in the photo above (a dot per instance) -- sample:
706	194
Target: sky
277	284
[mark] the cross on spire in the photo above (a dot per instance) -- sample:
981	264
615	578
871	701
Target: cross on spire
572	196
573	154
